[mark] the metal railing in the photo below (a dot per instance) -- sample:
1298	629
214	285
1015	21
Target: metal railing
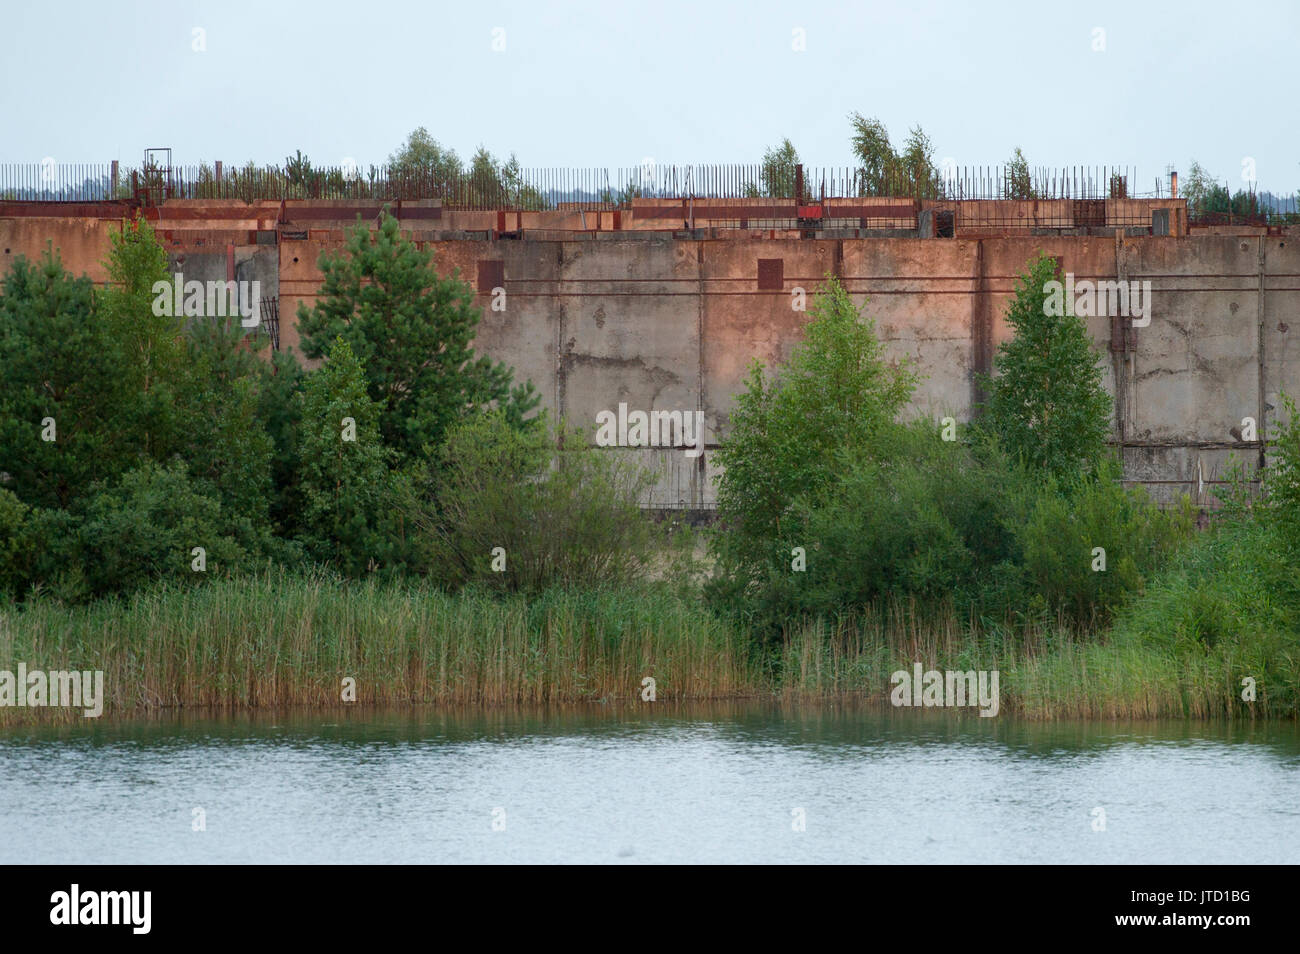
48	181
590	189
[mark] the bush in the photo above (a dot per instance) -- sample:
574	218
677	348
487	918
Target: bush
917	518
1066	526
562	517
1227	607
1281	485
145	526
15	545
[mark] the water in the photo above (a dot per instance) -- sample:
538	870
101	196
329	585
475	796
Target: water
659	783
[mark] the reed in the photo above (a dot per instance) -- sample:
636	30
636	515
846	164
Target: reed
283	640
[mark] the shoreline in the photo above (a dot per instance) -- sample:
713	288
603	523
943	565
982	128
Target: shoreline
612	710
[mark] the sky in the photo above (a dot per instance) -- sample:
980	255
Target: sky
612	84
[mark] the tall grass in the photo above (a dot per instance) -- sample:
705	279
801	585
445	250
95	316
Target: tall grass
1142	669
285	640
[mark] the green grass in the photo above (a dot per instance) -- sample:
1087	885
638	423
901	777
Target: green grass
1227	608
287	640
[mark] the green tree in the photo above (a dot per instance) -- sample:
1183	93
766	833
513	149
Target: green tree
882	170
1046	406
877	161
1019	185
422	164
916	162
777	172
280	413
835	395
16	545
58	365
412	330
344	465
486	186
148	341
1204	195
229	451
518	193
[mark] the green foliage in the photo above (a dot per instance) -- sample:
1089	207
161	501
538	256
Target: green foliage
145	526
56	361
1047	406
914	517
563	518
835	396
343	473
413	331
421	157
1281	487
227	446
1227	607
916	163
281	415
1019	184
16	545
777	172
1204	195
1065	528
883	171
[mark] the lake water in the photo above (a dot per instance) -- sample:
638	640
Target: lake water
755	782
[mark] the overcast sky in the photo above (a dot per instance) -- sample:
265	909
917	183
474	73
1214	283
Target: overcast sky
611	84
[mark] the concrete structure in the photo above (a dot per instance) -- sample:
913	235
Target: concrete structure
663	305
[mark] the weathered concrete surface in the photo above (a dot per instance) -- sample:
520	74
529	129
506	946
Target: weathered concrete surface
671	321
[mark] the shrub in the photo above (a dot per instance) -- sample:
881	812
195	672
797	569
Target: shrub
917	518
562	517
145	526
15	545
1066	526
1227	607
1282	479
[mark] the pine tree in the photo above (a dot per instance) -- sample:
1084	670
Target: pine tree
344	470
60	381
413	331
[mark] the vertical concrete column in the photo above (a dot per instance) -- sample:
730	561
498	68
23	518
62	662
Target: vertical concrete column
1260	420
981	331
561	351
699	479
1119	352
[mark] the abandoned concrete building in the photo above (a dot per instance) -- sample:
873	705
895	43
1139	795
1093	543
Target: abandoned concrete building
662	303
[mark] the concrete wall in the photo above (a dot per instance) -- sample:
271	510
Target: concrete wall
670	321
